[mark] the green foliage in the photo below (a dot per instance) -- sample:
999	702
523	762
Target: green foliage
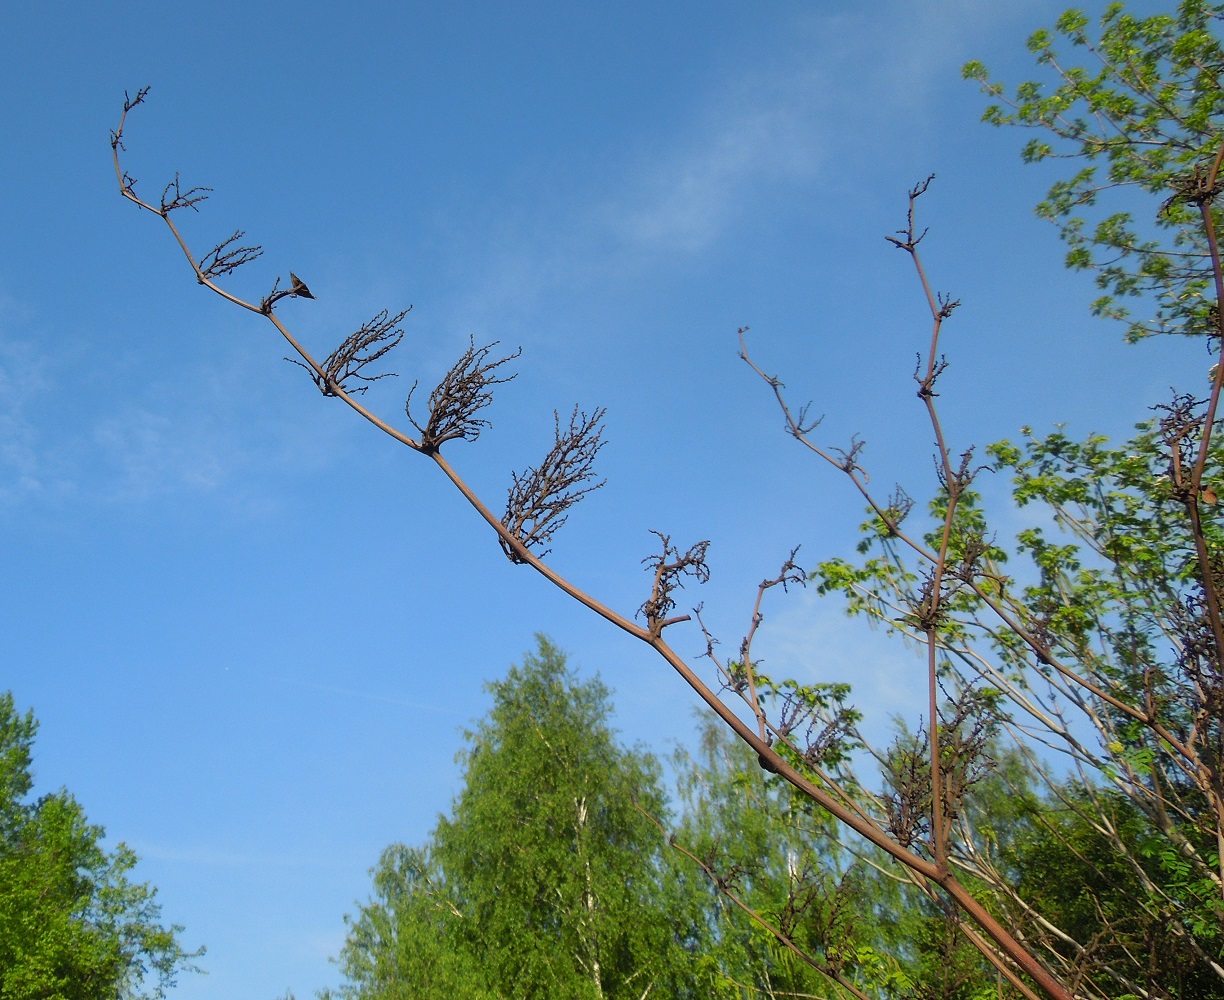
1142	115
1096	632
72	926
1122	596
793	866
1068	867
545	880
1102	647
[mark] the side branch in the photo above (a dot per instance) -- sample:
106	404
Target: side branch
360	349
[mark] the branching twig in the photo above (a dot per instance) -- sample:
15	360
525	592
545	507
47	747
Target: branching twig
227	256
539	498
670	568
360	349
790	573
464	391
537	506
191	198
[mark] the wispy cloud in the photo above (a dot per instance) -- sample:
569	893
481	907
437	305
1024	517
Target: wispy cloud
812	640
28	468
214	856
196	430
681	201
319	944
665	196
24	468
150	454
373	696
53	447
826	101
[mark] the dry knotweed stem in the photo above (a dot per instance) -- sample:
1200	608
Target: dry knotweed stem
899	506
127	182
847	458
969	722
537	506
818	734
926	380
955	481
1180	430
464	391
790	573
1199	187
539	498
907	805
670	569
227	256
129	102
796	427
374	339
966	732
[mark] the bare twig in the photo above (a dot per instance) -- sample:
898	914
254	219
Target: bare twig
670	568
537	506
227	256
191	198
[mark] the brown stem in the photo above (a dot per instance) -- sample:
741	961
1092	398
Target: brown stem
1207	575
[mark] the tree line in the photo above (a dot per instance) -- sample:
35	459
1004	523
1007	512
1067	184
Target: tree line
569	866
73	924
564	868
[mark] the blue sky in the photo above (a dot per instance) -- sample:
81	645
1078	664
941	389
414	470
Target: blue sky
252	628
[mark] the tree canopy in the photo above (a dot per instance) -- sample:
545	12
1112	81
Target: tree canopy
546	879
72	924
1143	118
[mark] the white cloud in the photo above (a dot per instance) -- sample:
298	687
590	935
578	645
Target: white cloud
25	377
54	446
666	196
842	86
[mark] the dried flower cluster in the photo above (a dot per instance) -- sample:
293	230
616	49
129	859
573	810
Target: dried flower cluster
464	391
360	349
539	498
